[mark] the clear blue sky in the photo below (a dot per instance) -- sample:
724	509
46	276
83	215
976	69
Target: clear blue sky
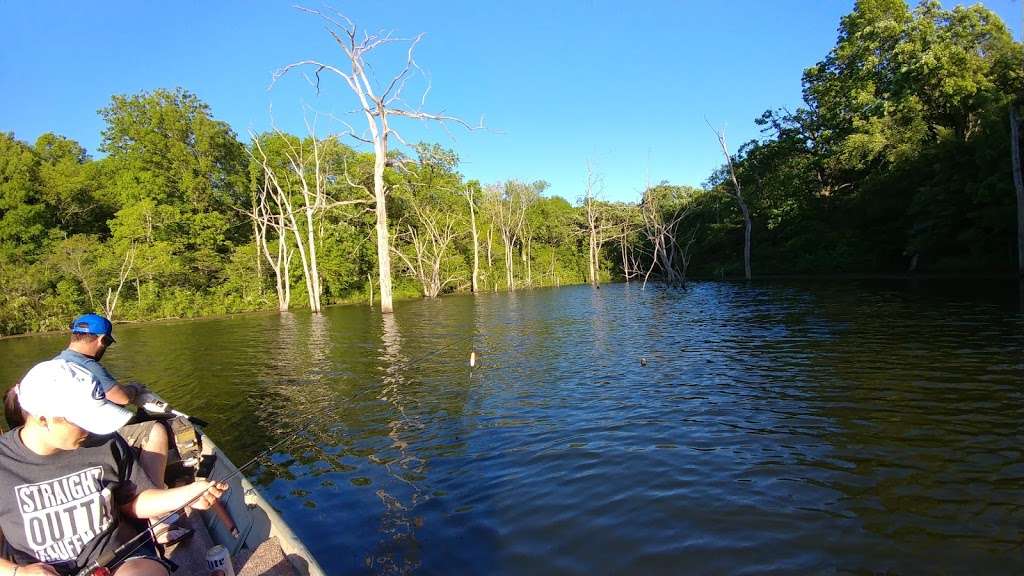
558	83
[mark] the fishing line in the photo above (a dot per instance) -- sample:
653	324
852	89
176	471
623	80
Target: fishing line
435	352
98	567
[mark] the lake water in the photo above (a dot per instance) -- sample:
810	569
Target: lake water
778	427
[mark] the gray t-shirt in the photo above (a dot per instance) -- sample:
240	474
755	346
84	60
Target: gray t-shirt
65	507
106	379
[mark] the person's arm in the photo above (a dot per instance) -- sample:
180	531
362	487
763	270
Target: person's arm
125	394
8	568
153	503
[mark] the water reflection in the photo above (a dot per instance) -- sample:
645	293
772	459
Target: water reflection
396	551
785	427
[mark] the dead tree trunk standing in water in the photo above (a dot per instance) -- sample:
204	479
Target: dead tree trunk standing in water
263	217
508	204
310	177
738	195
490	243
430	239
590	212
661	218
471	198
625	257
378	109
630	265
1018	182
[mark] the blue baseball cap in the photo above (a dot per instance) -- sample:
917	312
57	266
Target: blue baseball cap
93	324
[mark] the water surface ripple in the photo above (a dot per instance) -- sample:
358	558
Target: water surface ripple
777	427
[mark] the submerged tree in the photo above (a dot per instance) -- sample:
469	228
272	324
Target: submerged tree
663	210
378	107
592	213
429	239
508	204
737	194
298	178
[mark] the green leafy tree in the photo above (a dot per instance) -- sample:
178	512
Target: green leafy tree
168	154
71	183
24	218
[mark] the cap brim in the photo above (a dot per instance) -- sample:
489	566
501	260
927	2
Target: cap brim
101	419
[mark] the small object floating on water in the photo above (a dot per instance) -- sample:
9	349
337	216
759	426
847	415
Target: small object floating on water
472	359
643	361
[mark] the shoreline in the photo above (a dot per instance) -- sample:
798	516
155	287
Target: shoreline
697	278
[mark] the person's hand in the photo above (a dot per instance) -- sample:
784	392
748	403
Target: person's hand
210	491
134	391
39	569
151	402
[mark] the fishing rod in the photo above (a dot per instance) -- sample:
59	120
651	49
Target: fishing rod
100	566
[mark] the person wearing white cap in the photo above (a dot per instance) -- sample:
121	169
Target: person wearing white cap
73	480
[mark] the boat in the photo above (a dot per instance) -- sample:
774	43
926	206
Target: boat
258	540
265	545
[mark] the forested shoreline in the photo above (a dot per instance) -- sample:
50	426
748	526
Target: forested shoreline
899	161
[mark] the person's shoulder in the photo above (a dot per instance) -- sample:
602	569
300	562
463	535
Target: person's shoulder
10	435
114	443
10	443
77	357
87	362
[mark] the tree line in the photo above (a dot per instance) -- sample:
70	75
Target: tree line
899	160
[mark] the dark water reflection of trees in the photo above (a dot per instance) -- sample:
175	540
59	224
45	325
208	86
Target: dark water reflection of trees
793	427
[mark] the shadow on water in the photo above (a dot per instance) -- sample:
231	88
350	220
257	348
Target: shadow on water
777	426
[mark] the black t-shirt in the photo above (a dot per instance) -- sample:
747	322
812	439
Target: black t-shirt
64	506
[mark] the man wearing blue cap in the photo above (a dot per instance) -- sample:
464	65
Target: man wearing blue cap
91	335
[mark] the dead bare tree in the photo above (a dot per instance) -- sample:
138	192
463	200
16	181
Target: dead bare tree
1018	181
266	213
591	215
306	182
378	108
625	229
112	294
490	252
429	240
508	203
470	192
736	193
662	214
506	217
598	225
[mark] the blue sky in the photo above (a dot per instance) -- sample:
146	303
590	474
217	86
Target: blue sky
558	84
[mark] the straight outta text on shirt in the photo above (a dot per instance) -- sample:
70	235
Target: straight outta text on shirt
62	515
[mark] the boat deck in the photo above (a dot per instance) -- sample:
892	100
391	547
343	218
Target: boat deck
265	545
267	559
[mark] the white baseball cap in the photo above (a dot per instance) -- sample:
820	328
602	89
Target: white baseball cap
65	389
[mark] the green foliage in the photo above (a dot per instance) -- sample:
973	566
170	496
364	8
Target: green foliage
899	157
23	216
